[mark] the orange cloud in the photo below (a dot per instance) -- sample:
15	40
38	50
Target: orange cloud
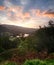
2	7
17	12
19	15
38	12
15	9
27	15
45	13
49	14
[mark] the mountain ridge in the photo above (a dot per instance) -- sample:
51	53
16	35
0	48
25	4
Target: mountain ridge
15	29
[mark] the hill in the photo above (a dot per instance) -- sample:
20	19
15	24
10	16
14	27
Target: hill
15	29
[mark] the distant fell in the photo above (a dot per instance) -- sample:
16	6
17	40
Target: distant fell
15	29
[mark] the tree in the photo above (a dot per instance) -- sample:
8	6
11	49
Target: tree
51	23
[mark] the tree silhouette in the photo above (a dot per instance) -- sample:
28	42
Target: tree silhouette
51	23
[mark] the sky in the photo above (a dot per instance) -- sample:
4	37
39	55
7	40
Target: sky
26	13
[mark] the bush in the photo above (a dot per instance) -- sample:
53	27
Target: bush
39	62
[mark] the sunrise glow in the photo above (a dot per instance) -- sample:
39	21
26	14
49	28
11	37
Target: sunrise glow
26	13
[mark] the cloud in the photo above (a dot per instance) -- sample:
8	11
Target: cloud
32	18
7	3
23	2
26	13
16	13
2	8
46	13
49	13
13	11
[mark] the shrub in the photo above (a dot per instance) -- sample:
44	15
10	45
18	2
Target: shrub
39	62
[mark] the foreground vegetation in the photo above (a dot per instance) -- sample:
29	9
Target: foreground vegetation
31	62
39	62
22	50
